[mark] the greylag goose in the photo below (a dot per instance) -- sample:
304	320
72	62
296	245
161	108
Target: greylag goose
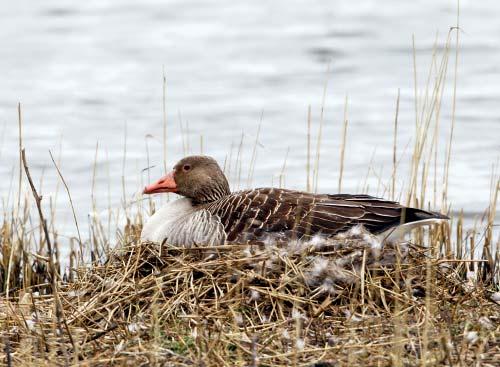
209	214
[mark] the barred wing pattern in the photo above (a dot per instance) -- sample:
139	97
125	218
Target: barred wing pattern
253	214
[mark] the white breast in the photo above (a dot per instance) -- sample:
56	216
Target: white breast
180	224
160	224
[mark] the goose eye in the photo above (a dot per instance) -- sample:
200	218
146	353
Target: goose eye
186	167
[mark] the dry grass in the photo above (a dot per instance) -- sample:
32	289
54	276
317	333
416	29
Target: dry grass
190	307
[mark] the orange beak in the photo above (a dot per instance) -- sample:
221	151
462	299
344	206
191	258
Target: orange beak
164	184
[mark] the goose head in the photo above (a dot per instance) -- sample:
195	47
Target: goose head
196	177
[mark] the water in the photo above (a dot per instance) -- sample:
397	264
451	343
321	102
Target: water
84	71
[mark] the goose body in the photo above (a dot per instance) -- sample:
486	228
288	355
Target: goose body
211	215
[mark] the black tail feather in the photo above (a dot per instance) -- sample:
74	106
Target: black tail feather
414	215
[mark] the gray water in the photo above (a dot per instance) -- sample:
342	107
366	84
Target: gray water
83	71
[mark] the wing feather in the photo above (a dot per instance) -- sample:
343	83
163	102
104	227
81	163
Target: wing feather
254	213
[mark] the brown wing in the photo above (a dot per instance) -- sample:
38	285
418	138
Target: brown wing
248	215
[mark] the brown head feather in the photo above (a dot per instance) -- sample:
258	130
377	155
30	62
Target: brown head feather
200	178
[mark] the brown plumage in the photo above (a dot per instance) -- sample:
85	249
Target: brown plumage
254	214
247	215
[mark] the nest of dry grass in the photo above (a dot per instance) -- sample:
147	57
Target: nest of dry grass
244	306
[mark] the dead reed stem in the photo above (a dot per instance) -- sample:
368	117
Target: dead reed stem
320	132
308	164
453	108
394	149
80	242
164	110
342	146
